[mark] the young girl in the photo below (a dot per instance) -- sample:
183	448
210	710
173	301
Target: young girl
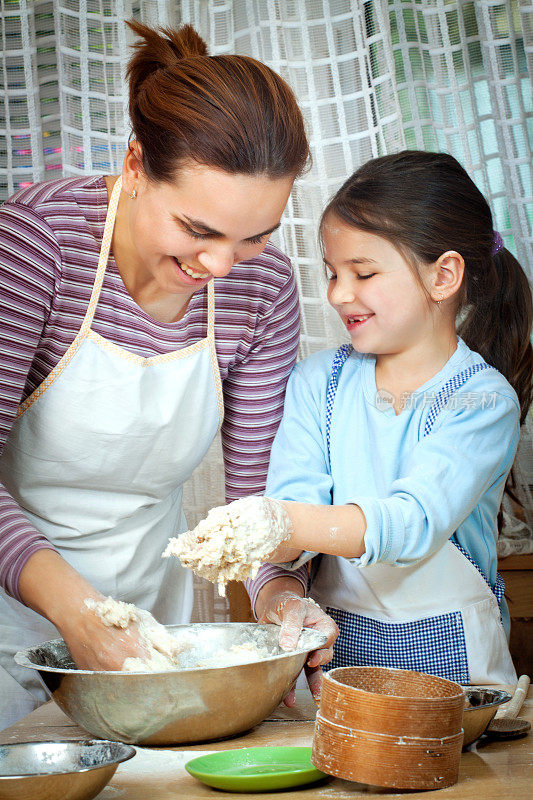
393	453
395	449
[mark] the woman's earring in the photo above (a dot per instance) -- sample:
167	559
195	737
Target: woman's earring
133	195
439	301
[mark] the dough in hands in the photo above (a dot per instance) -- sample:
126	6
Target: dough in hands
162	649
231	543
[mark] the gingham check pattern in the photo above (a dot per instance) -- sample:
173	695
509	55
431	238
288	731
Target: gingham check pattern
435	645
448	389
342	354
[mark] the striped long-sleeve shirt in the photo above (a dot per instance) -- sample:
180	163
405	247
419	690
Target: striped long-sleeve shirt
50	237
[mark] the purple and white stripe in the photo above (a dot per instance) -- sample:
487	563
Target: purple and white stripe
49	243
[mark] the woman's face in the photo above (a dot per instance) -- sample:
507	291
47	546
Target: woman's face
184	233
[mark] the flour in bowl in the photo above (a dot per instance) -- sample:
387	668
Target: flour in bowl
231	543
237	654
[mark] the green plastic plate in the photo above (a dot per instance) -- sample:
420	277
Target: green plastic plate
256	769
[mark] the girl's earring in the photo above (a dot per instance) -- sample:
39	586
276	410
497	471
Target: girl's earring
133	195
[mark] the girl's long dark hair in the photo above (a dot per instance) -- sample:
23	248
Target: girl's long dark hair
426	204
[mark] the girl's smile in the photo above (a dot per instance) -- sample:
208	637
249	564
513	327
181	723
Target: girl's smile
373	290
353	322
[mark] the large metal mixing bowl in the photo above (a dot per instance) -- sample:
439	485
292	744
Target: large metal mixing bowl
192	704
59	770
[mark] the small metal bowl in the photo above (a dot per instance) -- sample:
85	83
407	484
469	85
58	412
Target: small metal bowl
480	708
190	704
60	770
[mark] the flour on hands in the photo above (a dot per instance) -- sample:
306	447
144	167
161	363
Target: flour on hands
162	649
231	543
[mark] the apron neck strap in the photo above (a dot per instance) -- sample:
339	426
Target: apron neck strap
211	311
102	264
104	255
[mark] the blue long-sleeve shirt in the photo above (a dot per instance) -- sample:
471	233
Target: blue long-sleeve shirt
415	491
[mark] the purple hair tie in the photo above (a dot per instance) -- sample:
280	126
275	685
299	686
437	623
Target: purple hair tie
497	243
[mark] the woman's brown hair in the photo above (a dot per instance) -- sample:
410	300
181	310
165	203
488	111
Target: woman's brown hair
227	111
426	204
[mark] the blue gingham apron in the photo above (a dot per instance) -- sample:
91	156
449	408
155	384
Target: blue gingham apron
461	638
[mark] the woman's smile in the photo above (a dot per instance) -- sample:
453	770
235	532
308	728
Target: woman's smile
173	238
191	276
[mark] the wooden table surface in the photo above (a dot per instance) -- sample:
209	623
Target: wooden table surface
489	770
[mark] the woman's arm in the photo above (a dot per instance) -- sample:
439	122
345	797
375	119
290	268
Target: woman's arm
52	588
281	601
31	570
29	268
254	387
254	390
254	393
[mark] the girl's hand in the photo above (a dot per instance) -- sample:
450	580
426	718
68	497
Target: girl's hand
292	612
283	554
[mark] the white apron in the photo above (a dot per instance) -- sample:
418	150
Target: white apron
438	616
96	459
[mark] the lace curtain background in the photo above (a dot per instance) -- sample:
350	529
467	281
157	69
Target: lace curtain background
371	78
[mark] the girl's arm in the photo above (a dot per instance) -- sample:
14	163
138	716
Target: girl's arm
299	474
335	530
458	468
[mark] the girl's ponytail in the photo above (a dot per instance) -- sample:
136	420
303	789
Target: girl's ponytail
497	323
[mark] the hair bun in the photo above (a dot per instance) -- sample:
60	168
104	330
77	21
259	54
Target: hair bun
186	41
160	49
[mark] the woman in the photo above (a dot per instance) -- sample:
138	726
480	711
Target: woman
118	371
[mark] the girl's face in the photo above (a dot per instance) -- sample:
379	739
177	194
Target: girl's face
182	234
373	290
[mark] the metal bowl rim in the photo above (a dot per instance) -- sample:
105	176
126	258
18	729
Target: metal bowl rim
503	697
23	660
85	742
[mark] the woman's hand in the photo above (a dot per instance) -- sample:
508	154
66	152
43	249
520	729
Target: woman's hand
52	588
294	612
96	646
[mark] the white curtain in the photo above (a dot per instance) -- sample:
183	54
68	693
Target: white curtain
371	77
